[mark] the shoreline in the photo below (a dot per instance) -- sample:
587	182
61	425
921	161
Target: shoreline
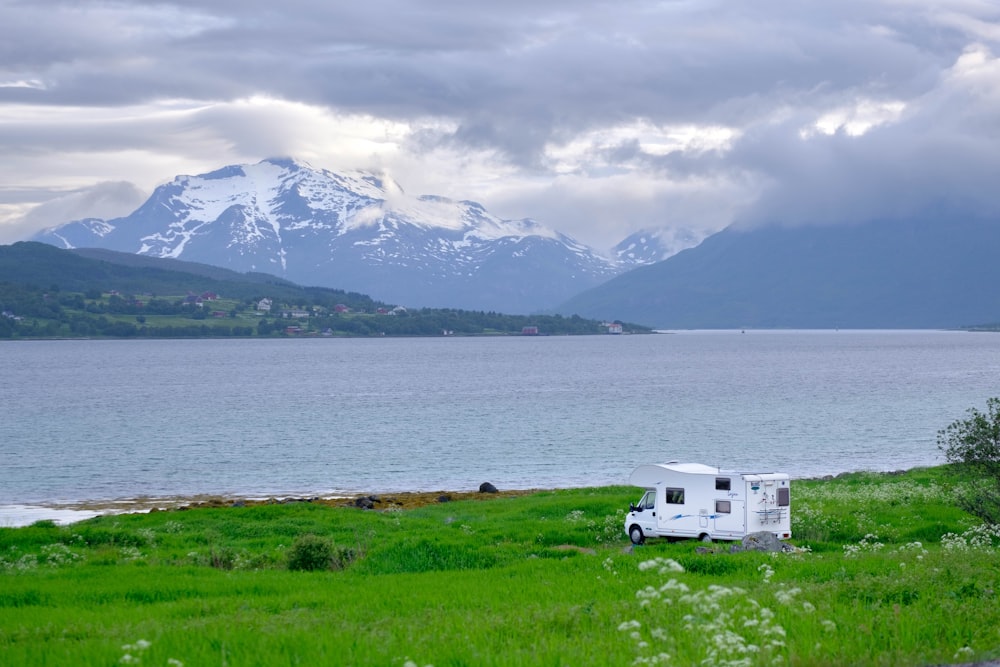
18	515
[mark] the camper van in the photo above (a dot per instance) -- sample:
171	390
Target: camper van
699	501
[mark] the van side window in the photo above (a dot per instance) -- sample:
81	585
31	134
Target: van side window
783	496
722	483
723	507
674	496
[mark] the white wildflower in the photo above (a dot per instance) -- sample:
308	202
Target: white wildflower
787	596
663	565
963	653
674	585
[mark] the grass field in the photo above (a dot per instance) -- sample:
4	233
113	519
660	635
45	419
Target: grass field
887	572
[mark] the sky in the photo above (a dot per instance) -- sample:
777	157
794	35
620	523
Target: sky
597	119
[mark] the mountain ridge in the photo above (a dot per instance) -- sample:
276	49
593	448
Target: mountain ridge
936	272
351	230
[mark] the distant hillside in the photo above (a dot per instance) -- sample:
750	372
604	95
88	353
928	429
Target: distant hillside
46	292
45	266
878	275
194	268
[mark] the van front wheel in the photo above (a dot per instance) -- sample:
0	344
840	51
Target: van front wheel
635	534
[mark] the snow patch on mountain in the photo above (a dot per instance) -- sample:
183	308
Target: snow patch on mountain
651	246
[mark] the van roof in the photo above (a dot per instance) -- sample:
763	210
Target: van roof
652	473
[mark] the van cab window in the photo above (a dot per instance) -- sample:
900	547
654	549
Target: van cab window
674	496
648	501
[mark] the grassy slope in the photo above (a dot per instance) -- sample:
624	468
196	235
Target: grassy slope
544	579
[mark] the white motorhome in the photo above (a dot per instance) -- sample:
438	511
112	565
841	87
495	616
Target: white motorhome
699	501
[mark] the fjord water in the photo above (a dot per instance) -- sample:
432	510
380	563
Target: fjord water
91	420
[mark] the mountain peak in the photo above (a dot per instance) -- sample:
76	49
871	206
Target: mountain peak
289	163
353	230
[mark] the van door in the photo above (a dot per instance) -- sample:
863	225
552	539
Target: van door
730	516
645	512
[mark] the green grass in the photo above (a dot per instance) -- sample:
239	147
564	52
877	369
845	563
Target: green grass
889	573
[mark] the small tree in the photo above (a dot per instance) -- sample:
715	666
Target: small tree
973	444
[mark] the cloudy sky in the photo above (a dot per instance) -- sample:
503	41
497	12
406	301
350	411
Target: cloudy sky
595	118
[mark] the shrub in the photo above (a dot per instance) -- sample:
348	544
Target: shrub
312	552
974	445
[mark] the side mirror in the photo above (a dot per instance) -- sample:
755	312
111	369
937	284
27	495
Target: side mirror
631	507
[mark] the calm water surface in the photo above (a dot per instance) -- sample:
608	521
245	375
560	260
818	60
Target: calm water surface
91	420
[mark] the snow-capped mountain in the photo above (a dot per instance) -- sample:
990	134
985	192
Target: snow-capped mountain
650	246
355	231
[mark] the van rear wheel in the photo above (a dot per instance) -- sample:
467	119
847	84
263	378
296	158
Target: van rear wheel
635	534
705	537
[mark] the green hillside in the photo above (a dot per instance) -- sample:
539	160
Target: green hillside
49	292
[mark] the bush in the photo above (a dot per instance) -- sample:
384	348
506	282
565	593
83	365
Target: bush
973	444
312	552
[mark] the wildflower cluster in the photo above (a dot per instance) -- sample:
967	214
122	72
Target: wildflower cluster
16	562
134	652
130	554
807	520
661	565
787	597
876	489
173	527
58	554
983	536
869	543
609	529
721	625
52	555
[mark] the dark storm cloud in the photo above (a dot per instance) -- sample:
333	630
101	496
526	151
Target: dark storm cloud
546	89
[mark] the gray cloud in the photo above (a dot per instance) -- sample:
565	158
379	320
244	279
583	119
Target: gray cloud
104	200
596	118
